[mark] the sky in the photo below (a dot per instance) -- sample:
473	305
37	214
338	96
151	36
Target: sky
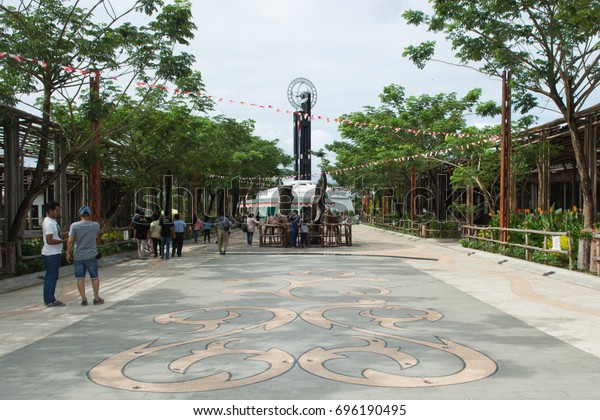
349	49
251	50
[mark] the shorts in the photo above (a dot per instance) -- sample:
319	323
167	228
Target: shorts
90	265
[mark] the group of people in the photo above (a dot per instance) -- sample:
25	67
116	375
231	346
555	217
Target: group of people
296	223
163	235
81	250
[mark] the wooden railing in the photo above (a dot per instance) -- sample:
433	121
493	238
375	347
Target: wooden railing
109	236
495	236
322	235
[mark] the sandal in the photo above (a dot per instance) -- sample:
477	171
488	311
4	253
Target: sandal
84	302
98	301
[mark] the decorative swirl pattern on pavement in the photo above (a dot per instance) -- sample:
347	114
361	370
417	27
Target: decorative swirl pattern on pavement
222	354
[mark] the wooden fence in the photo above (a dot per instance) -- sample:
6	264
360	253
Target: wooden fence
494	235
319	235
109	236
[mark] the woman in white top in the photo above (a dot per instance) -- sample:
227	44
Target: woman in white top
251	224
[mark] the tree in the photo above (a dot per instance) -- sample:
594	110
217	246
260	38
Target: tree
72	44
551	47
406	127
167	138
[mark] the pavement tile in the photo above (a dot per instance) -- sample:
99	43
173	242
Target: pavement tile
390	318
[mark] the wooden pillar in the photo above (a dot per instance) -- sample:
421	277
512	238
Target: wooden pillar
168	197
95	180
60	184
13	190
505	155
590	144
413	195
470	205
543	165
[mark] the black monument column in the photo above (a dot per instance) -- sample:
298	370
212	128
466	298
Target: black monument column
302	95
305	129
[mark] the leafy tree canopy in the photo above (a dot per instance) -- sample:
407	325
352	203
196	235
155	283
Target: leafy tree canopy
552	47
405	129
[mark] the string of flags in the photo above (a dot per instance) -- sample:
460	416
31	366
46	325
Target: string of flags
428	155
217	99
482	139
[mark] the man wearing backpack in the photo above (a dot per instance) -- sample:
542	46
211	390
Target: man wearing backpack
224	226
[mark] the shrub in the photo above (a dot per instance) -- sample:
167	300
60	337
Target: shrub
30	247
515	252
112	236
554	259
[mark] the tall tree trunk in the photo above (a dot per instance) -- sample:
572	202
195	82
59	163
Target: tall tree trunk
37	182
584	174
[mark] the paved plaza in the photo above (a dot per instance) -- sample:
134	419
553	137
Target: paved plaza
392	317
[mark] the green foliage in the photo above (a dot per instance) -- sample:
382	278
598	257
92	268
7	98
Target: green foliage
570	220
30	247
404	126
551	258
112	236
64	34
484	246
552	48
559	220
514	252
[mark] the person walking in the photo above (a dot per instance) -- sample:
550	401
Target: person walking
294	222
304	227
141	229
179	227
166	233
51	252
155	235
206	228
251	224
224	226
196	227
84	235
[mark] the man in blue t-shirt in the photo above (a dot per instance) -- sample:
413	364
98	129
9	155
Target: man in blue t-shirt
166	232
294	222
179	227
83	235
